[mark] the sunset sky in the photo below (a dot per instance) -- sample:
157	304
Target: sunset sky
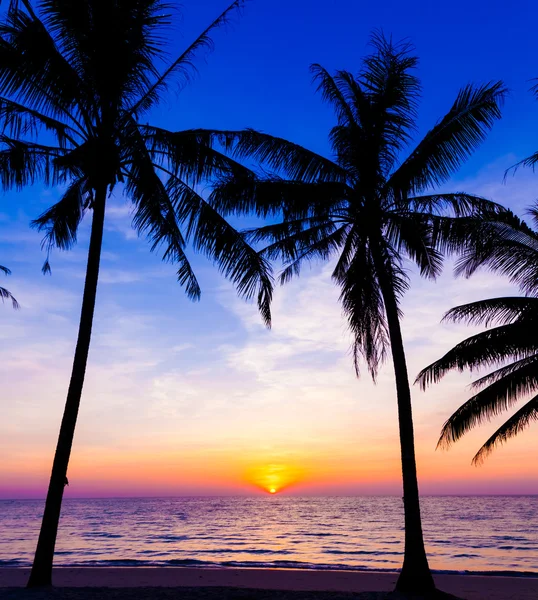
187	398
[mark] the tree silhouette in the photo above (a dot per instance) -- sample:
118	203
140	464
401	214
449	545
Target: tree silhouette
76	80
369	212
510	247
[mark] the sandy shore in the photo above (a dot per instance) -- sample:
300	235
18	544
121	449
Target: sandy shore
470	587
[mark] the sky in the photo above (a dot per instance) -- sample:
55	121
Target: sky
187	398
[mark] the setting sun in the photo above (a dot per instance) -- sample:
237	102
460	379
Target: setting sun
274	478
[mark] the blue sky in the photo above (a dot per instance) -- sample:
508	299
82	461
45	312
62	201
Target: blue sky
175	383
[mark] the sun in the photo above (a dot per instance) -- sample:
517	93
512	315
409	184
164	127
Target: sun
273	478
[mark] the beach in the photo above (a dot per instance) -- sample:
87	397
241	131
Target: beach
134	583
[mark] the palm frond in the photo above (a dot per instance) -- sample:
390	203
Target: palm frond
92	33
502	311
488	348
14	5
322	249
155	217
457	204
6	294
393	90
356	98
531	161
298	240
510	249
191	154
331	91
452	140
17	121
502	372
211	235
272	196
347	252
32	70
288	159
387	74
183	65
60	222
513	426
363	307
24	163
491	401
411	235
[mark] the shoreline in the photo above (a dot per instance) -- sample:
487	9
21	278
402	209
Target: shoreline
470	587
301	567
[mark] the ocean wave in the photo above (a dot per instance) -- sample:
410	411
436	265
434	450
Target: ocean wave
363	552
276	564
100	534
13	562
284	532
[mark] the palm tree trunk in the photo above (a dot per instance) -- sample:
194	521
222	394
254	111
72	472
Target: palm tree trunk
41	574
415	576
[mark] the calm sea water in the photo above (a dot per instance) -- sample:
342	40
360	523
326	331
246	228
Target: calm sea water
462	533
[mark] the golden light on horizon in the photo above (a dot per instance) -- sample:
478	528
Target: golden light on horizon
274	478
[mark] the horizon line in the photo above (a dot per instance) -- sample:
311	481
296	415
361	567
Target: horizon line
267	495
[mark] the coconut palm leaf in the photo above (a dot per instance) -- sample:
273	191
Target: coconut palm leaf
191	154
504	392
336	91
457	204
507	248
512	427
24	163
496	310
294	161
212	235
6	294
452	140
272	196
488	348
61	220
183	65
20	121
32	70
154	216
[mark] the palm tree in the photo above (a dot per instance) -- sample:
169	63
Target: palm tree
508	247
76	78
6	294
369	212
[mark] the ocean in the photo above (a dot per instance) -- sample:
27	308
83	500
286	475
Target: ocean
463	534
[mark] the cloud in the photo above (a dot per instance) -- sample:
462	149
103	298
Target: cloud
119	219
181	347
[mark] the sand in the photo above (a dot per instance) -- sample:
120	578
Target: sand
132	583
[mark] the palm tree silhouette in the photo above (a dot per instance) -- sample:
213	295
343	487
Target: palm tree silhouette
6	294
368	211
76	79
509	247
